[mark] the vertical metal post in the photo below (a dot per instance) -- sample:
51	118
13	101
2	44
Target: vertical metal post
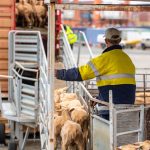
141	133
79	49
111	125
25	138
144	82
51	61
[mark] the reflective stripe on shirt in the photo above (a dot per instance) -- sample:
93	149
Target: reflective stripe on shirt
93	68
107	77
114	76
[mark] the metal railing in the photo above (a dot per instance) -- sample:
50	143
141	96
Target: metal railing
116	131
28	85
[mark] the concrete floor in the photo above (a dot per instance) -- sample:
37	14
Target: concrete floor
30	145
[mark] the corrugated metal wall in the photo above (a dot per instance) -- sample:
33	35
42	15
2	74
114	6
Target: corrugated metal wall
7	17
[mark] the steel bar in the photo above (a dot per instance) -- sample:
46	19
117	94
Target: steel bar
100	118
104	7
21	77
87	44
128	110
25	138
111	120
5	76
100	101
140	134
68	45
51	61
26	69
79	50
128	132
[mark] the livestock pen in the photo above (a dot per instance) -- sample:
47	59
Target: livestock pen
43	99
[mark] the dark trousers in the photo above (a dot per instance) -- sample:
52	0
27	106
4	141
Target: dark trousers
121	94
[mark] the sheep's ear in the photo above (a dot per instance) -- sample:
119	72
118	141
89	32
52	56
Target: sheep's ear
82	107
118	148
71	109
140	148
37	3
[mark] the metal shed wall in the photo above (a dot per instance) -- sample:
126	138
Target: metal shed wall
7	23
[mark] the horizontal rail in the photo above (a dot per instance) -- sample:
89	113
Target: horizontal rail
21	77
128	132
103	7
5	76
101	119
26	69
128	110
100	101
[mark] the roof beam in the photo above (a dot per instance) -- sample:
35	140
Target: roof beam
138	0
104	7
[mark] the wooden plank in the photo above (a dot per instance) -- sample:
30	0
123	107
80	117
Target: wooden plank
3	72
5	14
4	33
4	85
6	2
5	22
5	11
3	64
3	43
3	55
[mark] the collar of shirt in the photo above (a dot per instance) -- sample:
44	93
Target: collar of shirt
112	48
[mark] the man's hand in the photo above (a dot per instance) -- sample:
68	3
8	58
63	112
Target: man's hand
92	103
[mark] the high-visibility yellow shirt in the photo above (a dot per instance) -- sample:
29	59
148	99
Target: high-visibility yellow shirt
111	68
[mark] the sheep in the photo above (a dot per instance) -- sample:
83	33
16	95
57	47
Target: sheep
56	98
61	90
144	145
71	133
68	104
79	115
64	105
140	100
68	96
25	10
129	147
39	12
57	94
74	104
58	123
141	94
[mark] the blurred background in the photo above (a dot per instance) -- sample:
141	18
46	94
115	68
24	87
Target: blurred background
135	26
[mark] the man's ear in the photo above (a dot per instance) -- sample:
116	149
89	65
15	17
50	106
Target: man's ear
120	40
106	41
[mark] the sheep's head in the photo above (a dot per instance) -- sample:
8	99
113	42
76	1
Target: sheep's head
32	1
22	1
130	147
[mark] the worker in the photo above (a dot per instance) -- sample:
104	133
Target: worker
113	70
72	37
